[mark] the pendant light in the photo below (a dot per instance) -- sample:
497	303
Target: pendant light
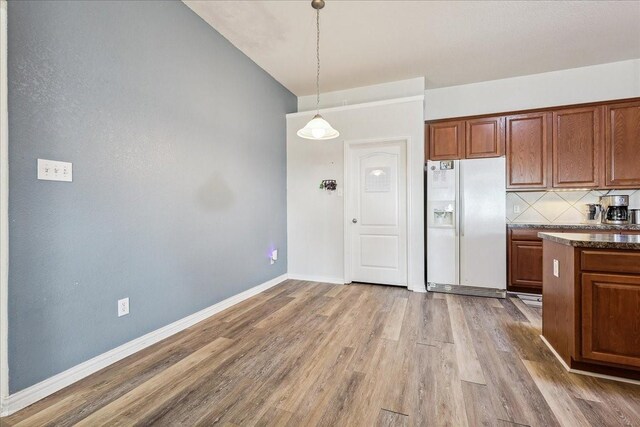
318	128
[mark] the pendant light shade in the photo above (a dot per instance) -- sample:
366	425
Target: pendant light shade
318	128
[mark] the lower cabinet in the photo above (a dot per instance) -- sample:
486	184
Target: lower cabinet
591	307
524	260
610	316
524	257
525	266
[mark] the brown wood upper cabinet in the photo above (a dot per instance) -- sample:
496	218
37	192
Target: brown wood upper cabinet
484	137
594	145
576	147
622	145
527	156
466	139
446	140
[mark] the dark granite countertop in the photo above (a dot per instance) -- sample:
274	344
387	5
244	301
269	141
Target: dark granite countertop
600	241
577	226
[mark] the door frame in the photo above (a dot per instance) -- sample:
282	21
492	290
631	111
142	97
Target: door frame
4	213
348	145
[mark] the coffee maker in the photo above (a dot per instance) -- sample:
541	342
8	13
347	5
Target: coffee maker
615	209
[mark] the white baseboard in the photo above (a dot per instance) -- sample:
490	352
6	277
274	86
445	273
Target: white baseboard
38	391
338	281
421	289
322	279
580	372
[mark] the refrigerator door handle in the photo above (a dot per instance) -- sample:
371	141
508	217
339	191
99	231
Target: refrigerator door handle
461	198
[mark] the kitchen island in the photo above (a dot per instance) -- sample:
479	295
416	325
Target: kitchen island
591	297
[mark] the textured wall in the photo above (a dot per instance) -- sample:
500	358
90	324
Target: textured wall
316	218
178	147
601	82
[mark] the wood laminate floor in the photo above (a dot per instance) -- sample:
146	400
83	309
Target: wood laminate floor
306	353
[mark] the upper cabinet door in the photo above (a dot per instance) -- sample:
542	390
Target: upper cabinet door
484	138
527	140
576	147
446	140
622	145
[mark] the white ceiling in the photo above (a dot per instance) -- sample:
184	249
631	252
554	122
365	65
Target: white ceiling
447	42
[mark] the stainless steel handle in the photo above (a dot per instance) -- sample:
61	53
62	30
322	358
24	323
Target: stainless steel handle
354	220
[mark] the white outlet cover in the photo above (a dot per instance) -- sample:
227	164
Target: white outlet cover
123	307
53	170
274	255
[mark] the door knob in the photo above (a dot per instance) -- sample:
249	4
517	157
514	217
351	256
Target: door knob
354	220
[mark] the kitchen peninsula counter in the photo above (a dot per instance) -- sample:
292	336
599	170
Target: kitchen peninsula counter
594	227
595	240
591	297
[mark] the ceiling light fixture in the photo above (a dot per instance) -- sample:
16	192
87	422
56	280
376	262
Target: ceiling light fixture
318	128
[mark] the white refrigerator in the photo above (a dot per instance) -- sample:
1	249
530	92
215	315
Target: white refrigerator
466	226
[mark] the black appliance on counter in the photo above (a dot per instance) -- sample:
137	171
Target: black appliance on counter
615	209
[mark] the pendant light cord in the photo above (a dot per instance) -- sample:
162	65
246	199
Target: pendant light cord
318	60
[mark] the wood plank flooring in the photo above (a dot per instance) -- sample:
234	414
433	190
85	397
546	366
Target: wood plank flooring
306	353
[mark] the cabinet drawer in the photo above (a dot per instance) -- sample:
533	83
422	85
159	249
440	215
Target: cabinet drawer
610	261
526	234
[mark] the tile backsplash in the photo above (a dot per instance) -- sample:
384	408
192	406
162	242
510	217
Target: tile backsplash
557	207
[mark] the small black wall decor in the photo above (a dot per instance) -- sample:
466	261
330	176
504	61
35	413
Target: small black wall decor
328	184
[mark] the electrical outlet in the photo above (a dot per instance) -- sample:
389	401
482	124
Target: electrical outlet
52	170
556	268
123	307
274	256
516	209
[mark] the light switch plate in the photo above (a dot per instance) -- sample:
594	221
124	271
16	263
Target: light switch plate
53	170
556	268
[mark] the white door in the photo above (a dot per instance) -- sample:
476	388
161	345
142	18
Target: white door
377	213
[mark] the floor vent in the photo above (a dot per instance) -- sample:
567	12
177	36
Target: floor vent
531	300
466	290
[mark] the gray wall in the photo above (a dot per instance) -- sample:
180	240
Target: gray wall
178	147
